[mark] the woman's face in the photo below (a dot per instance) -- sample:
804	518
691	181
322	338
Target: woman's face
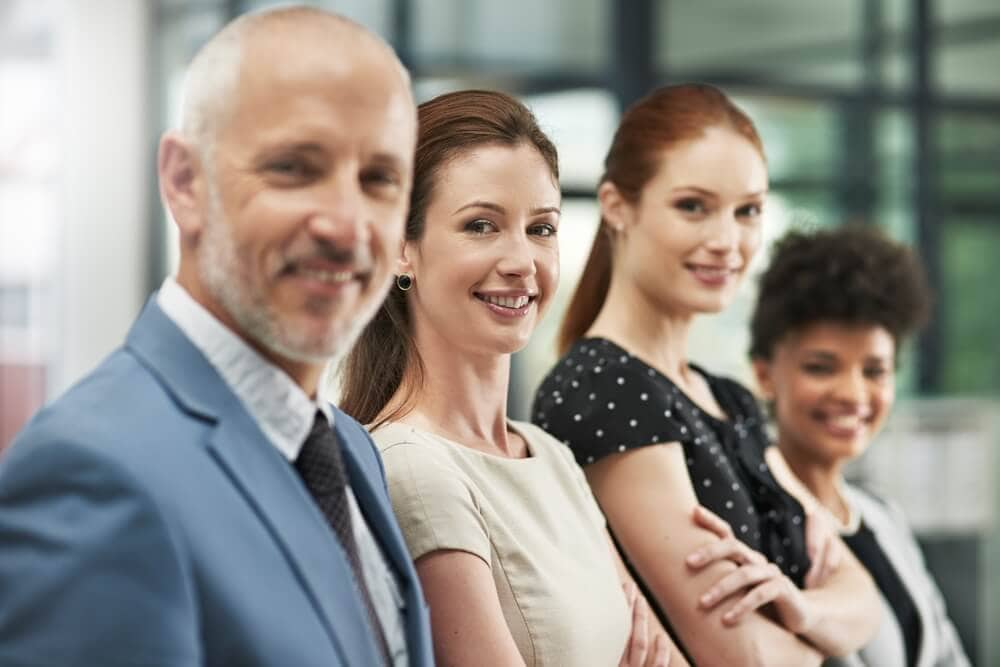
832	386
487	265
688	241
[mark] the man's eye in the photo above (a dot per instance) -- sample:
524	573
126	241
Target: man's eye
380	177
291	167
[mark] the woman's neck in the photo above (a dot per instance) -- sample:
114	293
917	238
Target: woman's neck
463	397
631	320
822	478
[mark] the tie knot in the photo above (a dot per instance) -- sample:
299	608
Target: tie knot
320	462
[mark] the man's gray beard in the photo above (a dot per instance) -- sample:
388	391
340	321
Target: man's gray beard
228	281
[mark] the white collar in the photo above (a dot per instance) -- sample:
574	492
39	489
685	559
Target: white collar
853	522
279	406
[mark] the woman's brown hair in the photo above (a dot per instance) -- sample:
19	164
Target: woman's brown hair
660	120
385	354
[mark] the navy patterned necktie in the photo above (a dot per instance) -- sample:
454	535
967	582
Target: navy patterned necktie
321	466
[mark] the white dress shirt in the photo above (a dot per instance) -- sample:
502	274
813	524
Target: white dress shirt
285	414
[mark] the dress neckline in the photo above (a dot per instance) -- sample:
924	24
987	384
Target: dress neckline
710	380
454	444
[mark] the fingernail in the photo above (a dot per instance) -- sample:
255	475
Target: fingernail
707	598
694	559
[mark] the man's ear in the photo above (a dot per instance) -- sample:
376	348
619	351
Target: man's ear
765	383
617	211
182	184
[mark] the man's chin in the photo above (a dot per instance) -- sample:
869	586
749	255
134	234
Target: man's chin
315	348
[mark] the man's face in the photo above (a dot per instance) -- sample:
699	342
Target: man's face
307	194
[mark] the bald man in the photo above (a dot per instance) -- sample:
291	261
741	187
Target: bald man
192	501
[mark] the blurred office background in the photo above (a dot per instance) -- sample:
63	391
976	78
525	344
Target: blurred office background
881	111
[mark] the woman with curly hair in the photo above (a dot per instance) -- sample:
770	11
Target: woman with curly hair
833	308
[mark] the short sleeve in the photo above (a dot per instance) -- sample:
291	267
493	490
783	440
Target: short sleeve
564	459
435	507
606	404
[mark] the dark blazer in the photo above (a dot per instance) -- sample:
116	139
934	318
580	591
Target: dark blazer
146	520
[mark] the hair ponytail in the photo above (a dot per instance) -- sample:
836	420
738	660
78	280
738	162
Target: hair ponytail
591	291
660	120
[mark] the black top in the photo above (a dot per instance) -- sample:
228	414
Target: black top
866	548
599	400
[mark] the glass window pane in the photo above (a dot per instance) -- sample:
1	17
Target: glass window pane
376	15
515	35
968	306
800	136
811	41
972	68
968	148
581	123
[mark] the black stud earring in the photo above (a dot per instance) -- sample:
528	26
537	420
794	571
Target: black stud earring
404	281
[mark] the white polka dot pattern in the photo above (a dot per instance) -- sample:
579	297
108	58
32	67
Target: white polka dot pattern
605	401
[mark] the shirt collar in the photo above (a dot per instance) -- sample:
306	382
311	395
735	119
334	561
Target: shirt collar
279	406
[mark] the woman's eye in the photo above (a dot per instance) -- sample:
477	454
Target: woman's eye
750	211
876	372
544	229
817	369
691	205
479	226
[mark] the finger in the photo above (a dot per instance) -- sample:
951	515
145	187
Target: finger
745	577
755	599
629	588
630	591
818	570
727	549
659	654
711	521
639	645
811	536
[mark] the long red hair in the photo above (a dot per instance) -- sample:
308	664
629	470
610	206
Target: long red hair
664	118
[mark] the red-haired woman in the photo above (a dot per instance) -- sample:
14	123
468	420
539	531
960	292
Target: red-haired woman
510	547
685	181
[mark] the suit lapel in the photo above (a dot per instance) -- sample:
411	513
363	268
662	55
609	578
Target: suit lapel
377	511
382	523
264	478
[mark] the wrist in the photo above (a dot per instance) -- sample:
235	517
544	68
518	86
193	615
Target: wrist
810	617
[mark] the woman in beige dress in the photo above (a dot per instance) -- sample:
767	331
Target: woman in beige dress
509	544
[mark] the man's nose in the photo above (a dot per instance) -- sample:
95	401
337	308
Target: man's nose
341	218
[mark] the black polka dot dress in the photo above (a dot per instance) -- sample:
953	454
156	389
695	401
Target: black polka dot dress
600	400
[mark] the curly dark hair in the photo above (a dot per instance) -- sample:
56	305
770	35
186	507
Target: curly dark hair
852	275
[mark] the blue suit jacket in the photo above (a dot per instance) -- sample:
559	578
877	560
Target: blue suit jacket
146	520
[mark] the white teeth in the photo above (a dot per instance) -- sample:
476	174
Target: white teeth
846	422
328	276
507	301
